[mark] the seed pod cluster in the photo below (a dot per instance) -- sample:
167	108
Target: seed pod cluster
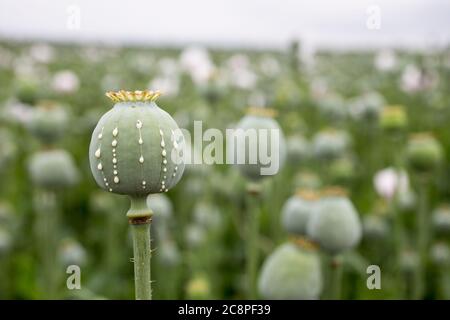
297	211
335	224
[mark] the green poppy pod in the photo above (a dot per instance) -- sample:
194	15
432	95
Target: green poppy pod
342	169
335	224
367	107
291	273
393	118
136	148
424	152
198	288
259	147
297	211
53	169
330	143
48	122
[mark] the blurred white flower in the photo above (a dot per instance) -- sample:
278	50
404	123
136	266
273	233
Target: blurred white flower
24	67
241	76
385	60
65	81
269	66
389	181
168	85
17	112
197	63
319	88
168	66
42	53
411	79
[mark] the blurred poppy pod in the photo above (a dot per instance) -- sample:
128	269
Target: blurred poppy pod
307	180
198	288
330	143
440	254
53	169
441	219
342	170
367	107
335	224
291	272
297	211
48	122
409	261
393	118
259	141
375	227
71	252
136	148
423	152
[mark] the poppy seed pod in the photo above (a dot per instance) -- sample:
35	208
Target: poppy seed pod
136	148
291	272
342	169
330	143
367	107
393	118
297	211
53	169
256	136
48	122
424	152
335	224
307	180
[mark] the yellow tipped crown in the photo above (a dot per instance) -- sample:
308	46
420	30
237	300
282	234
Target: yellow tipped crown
137	95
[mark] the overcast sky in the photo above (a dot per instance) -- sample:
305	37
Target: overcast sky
266	23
